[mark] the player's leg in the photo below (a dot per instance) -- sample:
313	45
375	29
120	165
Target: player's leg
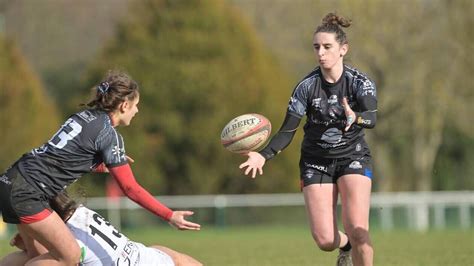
17	258
321	200
320	194
179	259
53	234
355	199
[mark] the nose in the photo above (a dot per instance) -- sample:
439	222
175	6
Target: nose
320	52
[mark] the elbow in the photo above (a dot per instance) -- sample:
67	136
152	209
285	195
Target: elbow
371	125
130	192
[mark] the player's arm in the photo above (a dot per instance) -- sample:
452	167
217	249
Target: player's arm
296	109
256	160
124	176
283	137
367	101
367	117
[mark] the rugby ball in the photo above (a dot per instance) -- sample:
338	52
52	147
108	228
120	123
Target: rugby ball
246	133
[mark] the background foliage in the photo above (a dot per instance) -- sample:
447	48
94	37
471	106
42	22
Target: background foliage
201	63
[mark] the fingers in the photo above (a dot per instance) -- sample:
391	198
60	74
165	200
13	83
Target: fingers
350	120
130	159
350	115
345	104
190	226
182	224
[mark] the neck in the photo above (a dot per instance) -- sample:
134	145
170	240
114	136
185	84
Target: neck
333	74
113	119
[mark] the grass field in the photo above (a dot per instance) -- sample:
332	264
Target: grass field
280	245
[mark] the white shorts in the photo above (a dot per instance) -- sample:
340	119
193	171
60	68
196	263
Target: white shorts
145	256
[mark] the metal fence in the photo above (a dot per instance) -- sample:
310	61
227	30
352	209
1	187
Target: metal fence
421	210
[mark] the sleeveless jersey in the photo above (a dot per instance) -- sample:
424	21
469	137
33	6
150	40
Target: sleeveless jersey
83	142
102	244
321	102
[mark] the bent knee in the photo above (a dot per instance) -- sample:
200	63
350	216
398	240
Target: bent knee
183	261
359	236
72	257
325	243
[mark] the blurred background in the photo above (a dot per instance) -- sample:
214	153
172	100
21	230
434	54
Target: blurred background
201	63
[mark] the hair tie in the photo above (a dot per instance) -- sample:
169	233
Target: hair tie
103	87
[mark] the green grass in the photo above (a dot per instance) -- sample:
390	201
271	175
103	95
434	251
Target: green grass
292	245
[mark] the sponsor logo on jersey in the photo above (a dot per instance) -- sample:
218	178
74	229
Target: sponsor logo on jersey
332	135
367	88
87	116
119	152
5	180
316	103
317	167
362	121
358	147
355	165
332	99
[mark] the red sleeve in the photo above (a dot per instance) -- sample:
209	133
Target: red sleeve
101	168
124	177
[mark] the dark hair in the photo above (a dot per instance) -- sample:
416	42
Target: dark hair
332	23
63	205
114	89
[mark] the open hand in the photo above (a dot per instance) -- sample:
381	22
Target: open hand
253	164
350	115
177	220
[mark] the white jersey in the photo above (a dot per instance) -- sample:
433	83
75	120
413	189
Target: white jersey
102	244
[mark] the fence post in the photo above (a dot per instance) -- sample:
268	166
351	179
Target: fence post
386	219
464	216
421	216
220	203
439	216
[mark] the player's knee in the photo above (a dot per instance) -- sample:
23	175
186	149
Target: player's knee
325	242
72	257
358	236
186	261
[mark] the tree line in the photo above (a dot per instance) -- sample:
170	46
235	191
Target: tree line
201	63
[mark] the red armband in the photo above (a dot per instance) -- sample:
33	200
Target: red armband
124	176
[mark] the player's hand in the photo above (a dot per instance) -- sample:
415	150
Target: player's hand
350	115
253	164
177	220
129	159
17	241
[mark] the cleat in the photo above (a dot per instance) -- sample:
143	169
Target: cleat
344	258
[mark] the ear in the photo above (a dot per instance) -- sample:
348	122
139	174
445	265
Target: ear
123	106
344	49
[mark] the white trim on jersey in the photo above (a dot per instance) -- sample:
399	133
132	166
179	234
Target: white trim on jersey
105	245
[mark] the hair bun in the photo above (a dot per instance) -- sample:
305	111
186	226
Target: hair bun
334	19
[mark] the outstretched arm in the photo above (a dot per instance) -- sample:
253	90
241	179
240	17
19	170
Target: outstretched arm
127	182
256	160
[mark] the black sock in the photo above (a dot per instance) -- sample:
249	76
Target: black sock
347	246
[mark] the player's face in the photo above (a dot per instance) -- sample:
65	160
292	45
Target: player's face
327	50
128	110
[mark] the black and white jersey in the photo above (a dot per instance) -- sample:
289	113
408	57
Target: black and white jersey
321	102
83	142
102	244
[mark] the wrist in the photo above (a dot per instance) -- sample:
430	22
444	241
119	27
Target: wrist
266	155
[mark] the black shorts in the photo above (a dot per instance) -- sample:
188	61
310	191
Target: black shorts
19	201
315	170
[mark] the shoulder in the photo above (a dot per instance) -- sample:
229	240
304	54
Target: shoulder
309	79
356	75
